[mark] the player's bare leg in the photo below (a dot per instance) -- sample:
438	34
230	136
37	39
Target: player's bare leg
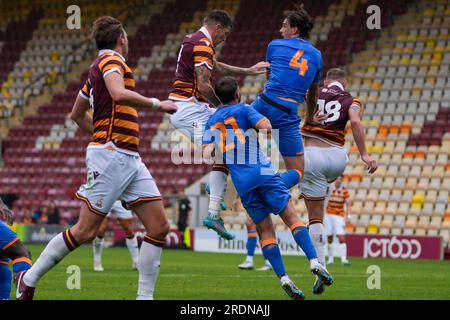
131	240
303	239
98	244
61	245
152	215
343	249
271	252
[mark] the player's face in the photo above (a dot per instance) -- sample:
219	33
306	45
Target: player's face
221	34
124	42
338	182
286	30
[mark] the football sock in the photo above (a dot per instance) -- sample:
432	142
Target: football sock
132	245
252	238
271	252
149	262
61	245
97	246
317	237
343	250
303	239
217	185
5	281
291	178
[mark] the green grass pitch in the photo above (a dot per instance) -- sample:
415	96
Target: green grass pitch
187	275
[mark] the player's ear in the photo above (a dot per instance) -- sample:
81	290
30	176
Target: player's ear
238	95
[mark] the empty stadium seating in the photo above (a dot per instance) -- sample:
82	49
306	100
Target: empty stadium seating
401	73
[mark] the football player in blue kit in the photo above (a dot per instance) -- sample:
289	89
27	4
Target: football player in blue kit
230	135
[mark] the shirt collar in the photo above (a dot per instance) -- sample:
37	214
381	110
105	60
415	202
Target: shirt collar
104	51
206	33
337	84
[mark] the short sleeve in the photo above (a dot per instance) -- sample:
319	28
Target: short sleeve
253	116
203	54
112	64
346	194
85	92
356	103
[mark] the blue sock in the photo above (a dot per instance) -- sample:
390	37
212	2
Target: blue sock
290	178
252	237
301	236
21	264
272	253
5	281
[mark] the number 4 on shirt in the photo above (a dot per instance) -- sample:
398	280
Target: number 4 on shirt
302	65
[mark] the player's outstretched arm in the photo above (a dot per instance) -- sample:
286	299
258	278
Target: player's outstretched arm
311	102
5	213
203	75
259	68
116	88
80	114
358	134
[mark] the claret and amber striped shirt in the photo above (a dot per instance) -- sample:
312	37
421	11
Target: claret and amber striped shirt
197	50
337	200
115	125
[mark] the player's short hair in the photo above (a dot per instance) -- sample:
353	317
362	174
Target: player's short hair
105	32
335	74
300	18
226	89
219	16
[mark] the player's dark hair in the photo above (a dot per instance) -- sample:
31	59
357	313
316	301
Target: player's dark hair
300	18
221	17
105	32
226	89
335	74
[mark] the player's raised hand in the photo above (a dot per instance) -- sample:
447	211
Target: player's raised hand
6	214
168	106
371	163
259	68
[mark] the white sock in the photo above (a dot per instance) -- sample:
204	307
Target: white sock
268	263
331	251
54	252
313	263
318	237
149	261
249	259
132	245
343	249
97	246
217	186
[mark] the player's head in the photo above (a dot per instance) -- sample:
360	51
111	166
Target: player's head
219	24
335	75
296	23
109	33
227	90
338	181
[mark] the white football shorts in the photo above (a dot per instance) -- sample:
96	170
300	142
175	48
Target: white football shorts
191	118
322	165
334	225
119	212
113	175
